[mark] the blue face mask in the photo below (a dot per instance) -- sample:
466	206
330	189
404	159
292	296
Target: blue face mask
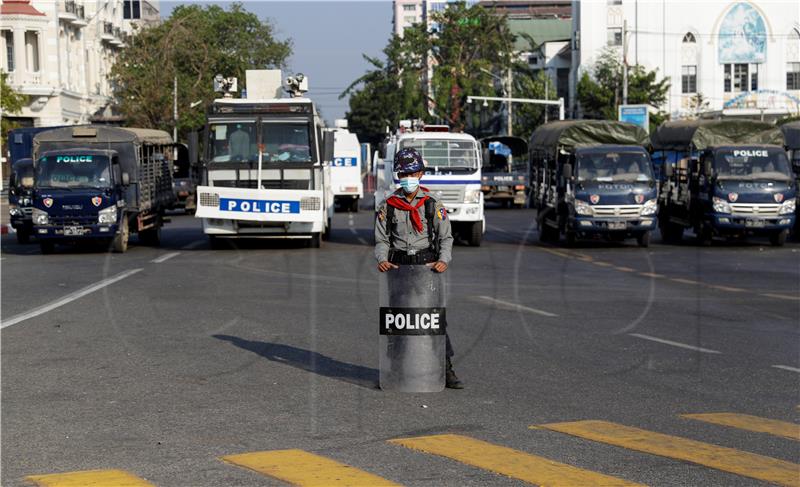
409	184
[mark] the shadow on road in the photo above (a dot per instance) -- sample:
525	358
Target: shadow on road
308	361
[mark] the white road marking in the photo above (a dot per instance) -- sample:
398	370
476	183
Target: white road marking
516	307
361	240
67	299
194	244
786	367
674	344
165	257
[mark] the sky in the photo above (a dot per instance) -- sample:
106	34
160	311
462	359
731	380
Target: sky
328	40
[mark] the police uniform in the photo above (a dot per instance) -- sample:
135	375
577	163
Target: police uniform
398	242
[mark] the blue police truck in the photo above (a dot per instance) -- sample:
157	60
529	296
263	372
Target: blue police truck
100	183
727	178
791	135
593	179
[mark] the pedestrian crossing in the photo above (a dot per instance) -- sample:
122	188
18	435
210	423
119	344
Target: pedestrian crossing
303	468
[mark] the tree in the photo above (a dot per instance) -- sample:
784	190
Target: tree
195	43
10	102
600	94
451	59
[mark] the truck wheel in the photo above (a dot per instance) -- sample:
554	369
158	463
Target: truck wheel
643	240
316	241
120	243
475	234
548	234
779	238
23	236
326	234
47	247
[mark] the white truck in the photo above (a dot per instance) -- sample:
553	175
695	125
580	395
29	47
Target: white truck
452	175
265	170
346	177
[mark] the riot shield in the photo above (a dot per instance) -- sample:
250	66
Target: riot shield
412	329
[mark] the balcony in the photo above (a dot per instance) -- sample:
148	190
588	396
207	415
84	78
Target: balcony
80	13
107	34
69	12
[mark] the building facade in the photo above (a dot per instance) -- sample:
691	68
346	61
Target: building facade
741	57
60	54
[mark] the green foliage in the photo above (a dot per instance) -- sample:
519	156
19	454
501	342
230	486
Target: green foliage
600	93
467	41
11	102
195	43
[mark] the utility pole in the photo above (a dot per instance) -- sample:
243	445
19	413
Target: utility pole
509	95
175	118
625	62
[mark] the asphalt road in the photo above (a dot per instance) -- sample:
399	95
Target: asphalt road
162	361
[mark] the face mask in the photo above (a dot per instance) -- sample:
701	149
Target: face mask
409	184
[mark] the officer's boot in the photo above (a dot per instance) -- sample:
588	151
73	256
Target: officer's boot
450	379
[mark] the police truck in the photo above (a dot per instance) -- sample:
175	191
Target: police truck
265	174
346	181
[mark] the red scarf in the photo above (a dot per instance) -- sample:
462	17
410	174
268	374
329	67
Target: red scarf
402	204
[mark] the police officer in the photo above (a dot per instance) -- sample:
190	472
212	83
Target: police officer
412	228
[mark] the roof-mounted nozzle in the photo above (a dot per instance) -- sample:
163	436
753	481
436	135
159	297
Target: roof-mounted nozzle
296	85
226	86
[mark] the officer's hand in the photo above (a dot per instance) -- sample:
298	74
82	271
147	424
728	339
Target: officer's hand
438	266
386	266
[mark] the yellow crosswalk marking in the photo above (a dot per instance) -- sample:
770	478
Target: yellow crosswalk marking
720	458
89	478
507	461
299	467
750	423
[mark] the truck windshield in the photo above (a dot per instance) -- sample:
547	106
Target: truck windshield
752	163
23	176
73	171
444	153
233	142
604	166
286	141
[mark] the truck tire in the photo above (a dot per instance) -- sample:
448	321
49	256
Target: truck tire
643	240
475	234
47	247
23	236
548	234
777	239
326	234
120	242
316	240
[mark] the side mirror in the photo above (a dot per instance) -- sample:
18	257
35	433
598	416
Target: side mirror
487	156
566	171
327	146
194	148
126	179
707	168
668	170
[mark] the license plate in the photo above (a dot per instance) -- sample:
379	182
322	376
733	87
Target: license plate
73	230
754	223
616	225
502	188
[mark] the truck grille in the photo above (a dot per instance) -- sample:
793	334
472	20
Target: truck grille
310	203
448	195
745	209
72	220
265	183
209	199
614	211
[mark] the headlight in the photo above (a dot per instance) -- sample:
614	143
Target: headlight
108	215
650	208
721	206
472	196
25	202
13	210
583	208
40	217
788	207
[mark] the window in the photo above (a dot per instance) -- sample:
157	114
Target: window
410	19
131	9
8	36
32	51
688	79
533	60
615	36
410	8
689	38
793	76
740	78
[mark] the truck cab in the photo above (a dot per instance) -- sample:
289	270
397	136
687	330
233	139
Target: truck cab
728	178
346	168
452	176
504	175
20	199
264	171
593	179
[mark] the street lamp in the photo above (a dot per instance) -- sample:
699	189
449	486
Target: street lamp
507	92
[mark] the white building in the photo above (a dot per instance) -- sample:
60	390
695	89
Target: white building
60	53
742	56
410	12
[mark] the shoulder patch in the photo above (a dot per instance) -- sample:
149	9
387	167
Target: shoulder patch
382	212
441	212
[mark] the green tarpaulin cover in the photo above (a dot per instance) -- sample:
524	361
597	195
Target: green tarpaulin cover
574	133
702	134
